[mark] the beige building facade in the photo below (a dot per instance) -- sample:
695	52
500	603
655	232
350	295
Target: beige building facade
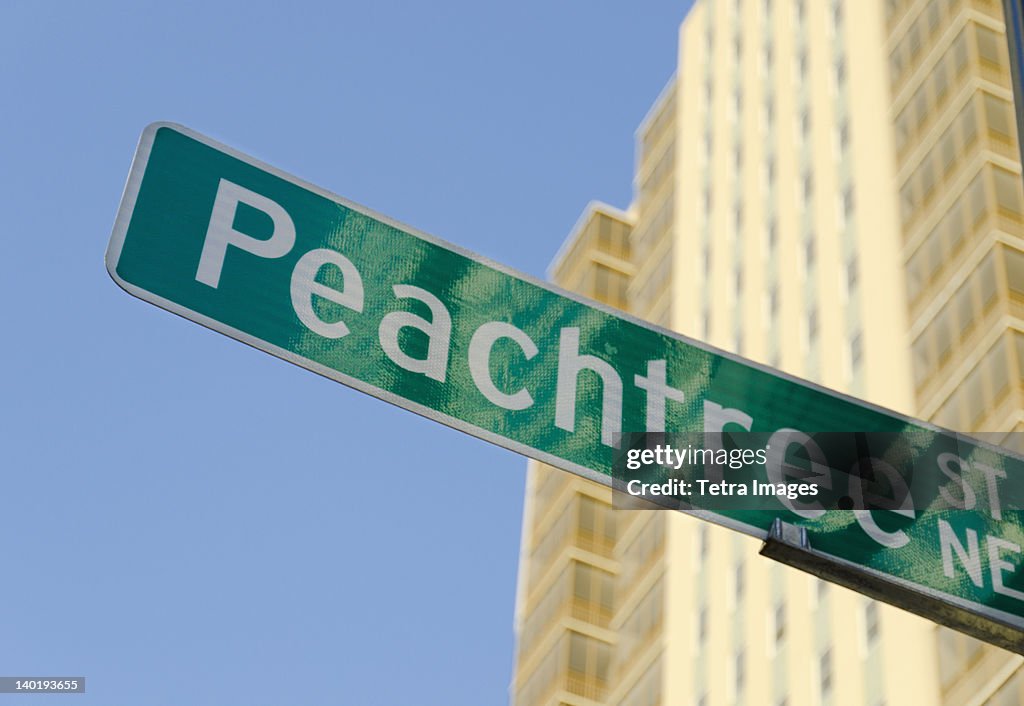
832	188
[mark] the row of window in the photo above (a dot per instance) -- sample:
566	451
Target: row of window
588	660
894	10
543	678
659	174
543	615
609	286
705	212
596	521
653	287
964	219
931	97
647	690
590	522
612	236
589	664
872	628
643	622
984	387
603	232
949	331
652	231
919	38
940	163
662	123
594	586
547	545
647	544
591	590
549	481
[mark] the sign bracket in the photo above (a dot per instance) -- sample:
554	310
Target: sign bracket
790	544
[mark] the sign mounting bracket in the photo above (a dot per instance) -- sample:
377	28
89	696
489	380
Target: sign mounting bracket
790	544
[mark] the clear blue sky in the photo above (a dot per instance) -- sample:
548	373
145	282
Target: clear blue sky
188	520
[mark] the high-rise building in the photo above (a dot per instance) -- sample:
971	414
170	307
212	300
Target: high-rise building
961	246
833	188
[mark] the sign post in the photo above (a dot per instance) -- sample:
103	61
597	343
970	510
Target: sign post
1013	13
244	249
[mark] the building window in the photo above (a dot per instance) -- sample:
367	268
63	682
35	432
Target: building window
1008	192
940	82
914	40
933	18
843	138
988	46
840	73
1015	271
871	623
780	624
825	666
771	236
896	64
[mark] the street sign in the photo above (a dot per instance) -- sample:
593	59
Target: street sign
244	249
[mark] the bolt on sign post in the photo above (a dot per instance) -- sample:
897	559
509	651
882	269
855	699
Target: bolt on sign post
244	249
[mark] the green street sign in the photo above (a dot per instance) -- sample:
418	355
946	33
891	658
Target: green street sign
242	248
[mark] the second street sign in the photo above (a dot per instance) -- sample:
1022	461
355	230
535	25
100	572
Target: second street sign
251	252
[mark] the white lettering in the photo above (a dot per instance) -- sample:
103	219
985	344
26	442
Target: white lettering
480	346
656	386
998	565
570	365
946	461
221	232
779	471
304	286
439	331
970	558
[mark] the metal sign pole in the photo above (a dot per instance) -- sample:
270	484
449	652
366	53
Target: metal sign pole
1013	11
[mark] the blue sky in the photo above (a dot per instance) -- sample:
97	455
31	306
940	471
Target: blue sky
188	520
